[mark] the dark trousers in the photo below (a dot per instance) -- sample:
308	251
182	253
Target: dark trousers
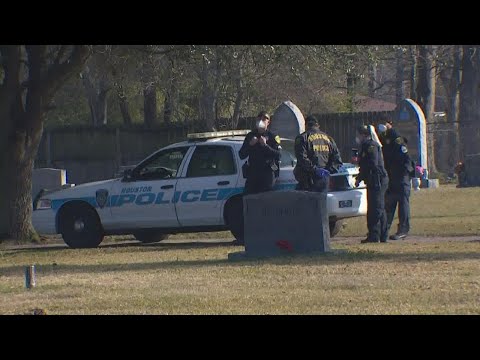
399	194
259	181
376	215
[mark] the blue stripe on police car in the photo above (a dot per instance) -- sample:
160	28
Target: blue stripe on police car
148	198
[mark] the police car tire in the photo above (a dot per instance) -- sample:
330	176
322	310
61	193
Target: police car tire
335	227
234	219
92	234
148	237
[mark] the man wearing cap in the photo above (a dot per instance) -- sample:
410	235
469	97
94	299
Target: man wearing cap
317	158
262	148
400	169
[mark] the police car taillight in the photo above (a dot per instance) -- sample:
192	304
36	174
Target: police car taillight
217	134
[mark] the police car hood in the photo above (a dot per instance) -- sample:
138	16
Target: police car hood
83	189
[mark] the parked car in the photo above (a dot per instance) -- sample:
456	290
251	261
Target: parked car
191	186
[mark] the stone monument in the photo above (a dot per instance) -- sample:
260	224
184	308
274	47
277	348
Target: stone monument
287	222
287	121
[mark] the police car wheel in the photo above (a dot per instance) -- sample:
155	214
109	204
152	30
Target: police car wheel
80	226
335	227
234	219
148	237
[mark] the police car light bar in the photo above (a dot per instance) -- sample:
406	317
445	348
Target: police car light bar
217	134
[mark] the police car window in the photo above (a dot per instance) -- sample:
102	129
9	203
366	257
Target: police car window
211	161
164	165
286	159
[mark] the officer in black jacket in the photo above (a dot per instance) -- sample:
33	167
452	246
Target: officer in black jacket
400	169
315	151
262	148
373	174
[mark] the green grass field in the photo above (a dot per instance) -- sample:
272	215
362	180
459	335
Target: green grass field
435	212
431	275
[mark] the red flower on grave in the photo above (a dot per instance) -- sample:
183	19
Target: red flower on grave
284	245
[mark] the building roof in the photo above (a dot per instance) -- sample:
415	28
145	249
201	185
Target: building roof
368	104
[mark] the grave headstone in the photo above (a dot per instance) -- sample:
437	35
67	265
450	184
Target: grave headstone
289	222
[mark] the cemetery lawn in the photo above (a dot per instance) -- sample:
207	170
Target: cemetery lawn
417	276
435	271
446	211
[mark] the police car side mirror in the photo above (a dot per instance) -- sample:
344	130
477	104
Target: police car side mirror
127	175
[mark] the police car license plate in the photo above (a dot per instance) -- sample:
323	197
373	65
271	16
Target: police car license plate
345	204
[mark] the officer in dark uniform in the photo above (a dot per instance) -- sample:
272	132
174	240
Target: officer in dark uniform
400	169
317	157
262	148
373	173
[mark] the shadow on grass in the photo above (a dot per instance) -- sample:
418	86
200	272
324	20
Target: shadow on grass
322	259
127	244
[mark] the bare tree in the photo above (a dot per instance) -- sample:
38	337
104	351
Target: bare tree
399	77
32	74
470	112
450	74
425	90
96	90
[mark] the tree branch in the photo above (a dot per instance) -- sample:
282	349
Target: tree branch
151	52
58	73
11	68
33	103
60	54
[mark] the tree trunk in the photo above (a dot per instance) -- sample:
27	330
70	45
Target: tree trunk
399	88
91	96
238	101
123	103
97	98
207	101
168	108
470	112
430	105
150	105
426	96
454	117
170	94
351	91
210	76
121	97
413	72
102	102
17	165
4	171
372	80
24	99
451	81
20	162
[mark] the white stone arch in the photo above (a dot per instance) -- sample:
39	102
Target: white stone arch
419	117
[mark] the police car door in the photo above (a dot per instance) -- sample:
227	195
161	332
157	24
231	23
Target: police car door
147	198
208	181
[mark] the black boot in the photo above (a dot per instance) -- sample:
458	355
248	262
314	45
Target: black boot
398	236
367	240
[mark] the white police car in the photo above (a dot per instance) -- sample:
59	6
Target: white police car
191	186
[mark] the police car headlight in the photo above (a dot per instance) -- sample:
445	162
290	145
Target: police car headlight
44	204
